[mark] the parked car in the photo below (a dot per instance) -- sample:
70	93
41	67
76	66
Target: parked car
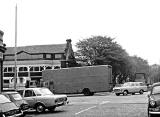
154	100
42	99
8	108
16	98
130	87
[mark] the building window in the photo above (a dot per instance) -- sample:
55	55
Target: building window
58	56
5	69
48	67
36	68
41	68
48	56
23	69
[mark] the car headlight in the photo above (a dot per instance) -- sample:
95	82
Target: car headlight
152	103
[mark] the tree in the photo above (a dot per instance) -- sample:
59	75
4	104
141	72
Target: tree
102	50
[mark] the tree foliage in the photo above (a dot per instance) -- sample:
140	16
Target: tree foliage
102	50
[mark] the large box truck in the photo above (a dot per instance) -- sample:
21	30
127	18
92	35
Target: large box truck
86	80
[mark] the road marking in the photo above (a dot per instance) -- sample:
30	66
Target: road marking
104	102
85	110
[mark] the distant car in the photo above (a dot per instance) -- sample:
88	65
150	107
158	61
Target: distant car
8	108
42	99
16	98
130	87
154	100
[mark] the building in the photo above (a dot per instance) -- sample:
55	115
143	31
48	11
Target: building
31	60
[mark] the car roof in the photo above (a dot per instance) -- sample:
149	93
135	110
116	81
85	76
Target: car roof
156	84
9	92
32	88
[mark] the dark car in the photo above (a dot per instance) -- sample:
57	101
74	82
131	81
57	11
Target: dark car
8	108
16	98
154	100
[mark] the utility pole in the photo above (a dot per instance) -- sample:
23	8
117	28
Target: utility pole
15	57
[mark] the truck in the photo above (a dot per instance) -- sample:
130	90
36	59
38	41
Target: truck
87	80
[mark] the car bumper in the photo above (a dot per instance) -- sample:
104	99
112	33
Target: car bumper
154	110
62	103
151	112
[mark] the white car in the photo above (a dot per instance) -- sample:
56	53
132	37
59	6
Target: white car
130	87
42	99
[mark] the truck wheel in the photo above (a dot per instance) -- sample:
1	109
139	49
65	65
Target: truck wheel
86	92
141	91
40	108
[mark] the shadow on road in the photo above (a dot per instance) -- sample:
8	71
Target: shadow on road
29	114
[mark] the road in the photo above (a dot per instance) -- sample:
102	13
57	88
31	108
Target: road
100	105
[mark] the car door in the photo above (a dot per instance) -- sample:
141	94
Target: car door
30	97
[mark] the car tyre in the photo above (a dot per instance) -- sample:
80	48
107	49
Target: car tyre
141	91
117	94
125	92
40	108
86	92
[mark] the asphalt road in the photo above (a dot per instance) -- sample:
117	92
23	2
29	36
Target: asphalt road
100	105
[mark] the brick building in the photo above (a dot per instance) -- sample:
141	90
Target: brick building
31	60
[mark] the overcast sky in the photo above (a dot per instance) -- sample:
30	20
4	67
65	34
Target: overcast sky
135	24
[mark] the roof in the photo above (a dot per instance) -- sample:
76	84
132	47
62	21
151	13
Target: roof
36	88
52	48
156	84
9	92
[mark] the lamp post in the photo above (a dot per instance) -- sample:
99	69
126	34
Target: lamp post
2	50
15	49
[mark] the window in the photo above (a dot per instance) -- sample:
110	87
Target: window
5	69
31	69
29	93
23	69
36	68
48	67
41	68
5	81
20	92
48	56
10	69
58	56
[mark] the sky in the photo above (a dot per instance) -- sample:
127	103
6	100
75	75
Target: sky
135	24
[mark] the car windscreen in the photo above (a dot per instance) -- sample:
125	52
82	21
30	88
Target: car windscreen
156	90
43	91
3	99
16	96
126	84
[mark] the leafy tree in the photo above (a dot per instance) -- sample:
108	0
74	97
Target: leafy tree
103	50
99	50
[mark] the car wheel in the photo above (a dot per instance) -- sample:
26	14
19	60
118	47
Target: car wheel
40	108
125	92
141	91
117	94
133	93
86	92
